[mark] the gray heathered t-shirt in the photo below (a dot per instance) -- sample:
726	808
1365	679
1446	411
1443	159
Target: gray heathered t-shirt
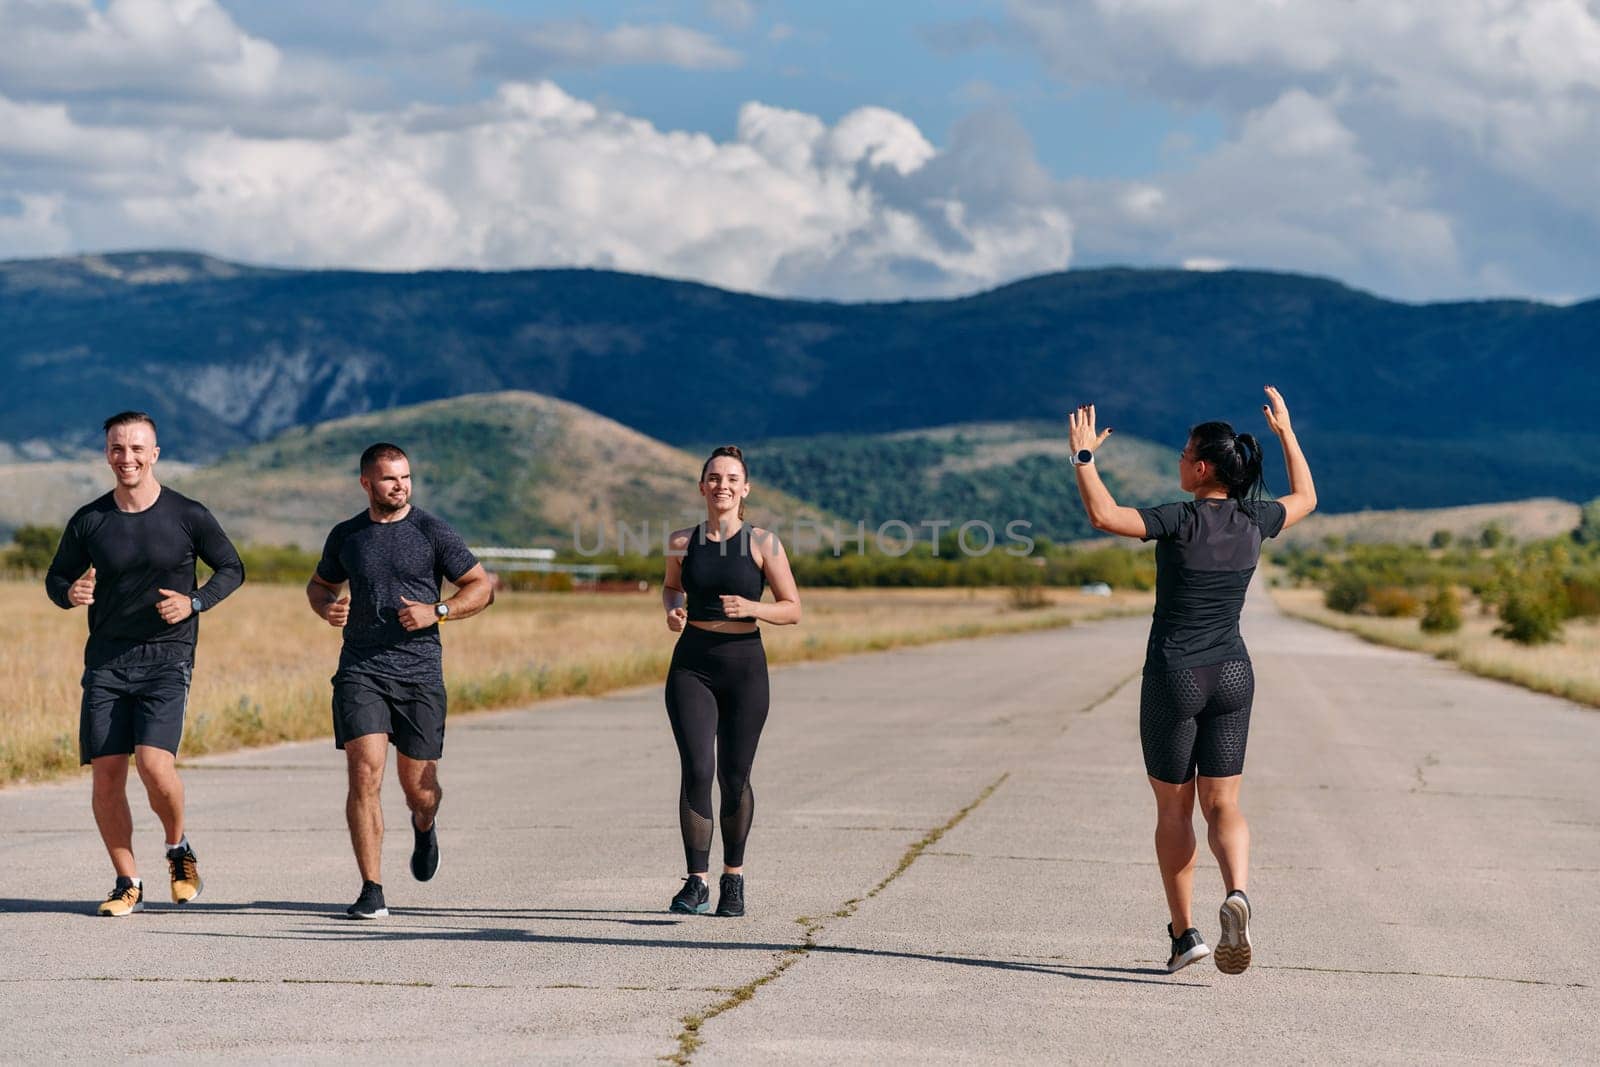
384	561
1206	551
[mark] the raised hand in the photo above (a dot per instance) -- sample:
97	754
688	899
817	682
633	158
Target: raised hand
338	612
1277	412
1081	430
416	616
174	606
677	619
81	592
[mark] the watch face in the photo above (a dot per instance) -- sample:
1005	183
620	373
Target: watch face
1085	456
441	610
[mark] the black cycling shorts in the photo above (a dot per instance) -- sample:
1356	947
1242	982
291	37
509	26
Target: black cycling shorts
1196	718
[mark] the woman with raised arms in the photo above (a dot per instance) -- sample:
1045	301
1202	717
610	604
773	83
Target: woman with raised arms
1194	708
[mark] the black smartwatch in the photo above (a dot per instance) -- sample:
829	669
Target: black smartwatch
441	611
1082	457
197	604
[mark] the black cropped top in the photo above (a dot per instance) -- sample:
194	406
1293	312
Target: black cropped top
715	569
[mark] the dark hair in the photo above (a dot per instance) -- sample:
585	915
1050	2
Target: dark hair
1236	457
122	418
381	450
727	450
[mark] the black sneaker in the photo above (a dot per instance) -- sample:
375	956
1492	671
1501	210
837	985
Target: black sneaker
1233	953
1186	949
425	851
730	896
369	905
694	898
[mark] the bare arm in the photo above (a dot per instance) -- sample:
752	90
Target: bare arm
1105	514
474	592
325	599
673	599
785	609
1302	498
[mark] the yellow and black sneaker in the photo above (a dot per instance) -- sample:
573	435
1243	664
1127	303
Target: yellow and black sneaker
186	883
125	899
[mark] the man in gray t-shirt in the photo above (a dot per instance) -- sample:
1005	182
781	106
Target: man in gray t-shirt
390	683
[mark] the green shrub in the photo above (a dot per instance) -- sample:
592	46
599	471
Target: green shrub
1347	592
1443	612
33	547
1441	539
1531	615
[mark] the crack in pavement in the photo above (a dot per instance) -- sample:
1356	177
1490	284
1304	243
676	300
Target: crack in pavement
1103	698
689	1040
1425	974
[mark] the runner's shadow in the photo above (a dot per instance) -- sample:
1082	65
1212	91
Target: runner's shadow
368	932
53	907
332	910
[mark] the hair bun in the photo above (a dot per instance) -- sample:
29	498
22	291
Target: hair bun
730	450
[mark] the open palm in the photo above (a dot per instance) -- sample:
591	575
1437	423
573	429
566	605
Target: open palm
1081	430
1277	412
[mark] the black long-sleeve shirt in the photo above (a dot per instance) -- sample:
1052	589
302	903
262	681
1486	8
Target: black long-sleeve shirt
134	554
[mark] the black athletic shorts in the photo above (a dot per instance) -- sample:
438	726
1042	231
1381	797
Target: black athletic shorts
411	714
1196	719
128	706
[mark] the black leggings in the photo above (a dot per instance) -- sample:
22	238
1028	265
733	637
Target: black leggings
717	703
1196	717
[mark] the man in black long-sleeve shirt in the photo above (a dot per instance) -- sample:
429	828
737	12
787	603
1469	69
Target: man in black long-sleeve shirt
129	556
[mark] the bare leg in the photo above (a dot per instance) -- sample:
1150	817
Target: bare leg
1227	833
1175	848
365	758
111	812
419	778
158	769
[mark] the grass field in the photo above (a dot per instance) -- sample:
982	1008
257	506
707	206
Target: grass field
264	660
1568	669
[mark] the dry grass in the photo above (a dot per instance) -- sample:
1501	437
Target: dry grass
1570	669
264	661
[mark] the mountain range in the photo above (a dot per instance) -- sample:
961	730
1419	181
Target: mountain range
1397	404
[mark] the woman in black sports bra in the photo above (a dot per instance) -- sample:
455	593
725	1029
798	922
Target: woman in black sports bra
717	685
1194	707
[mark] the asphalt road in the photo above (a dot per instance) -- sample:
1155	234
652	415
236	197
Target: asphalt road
951	862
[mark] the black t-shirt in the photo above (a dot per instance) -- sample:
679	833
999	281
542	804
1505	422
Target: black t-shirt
1206	552
384	561
134	554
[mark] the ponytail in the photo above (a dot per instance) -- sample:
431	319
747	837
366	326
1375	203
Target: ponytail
1236	458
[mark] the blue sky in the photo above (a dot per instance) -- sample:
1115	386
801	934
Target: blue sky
849	151
832	57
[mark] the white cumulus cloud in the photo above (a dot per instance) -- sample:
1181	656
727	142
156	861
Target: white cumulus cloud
1434	149
532	176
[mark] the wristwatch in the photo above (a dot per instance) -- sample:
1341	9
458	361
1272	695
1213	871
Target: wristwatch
1082	457
197	604
441	610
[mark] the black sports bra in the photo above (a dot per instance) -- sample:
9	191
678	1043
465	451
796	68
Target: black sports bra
715	569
